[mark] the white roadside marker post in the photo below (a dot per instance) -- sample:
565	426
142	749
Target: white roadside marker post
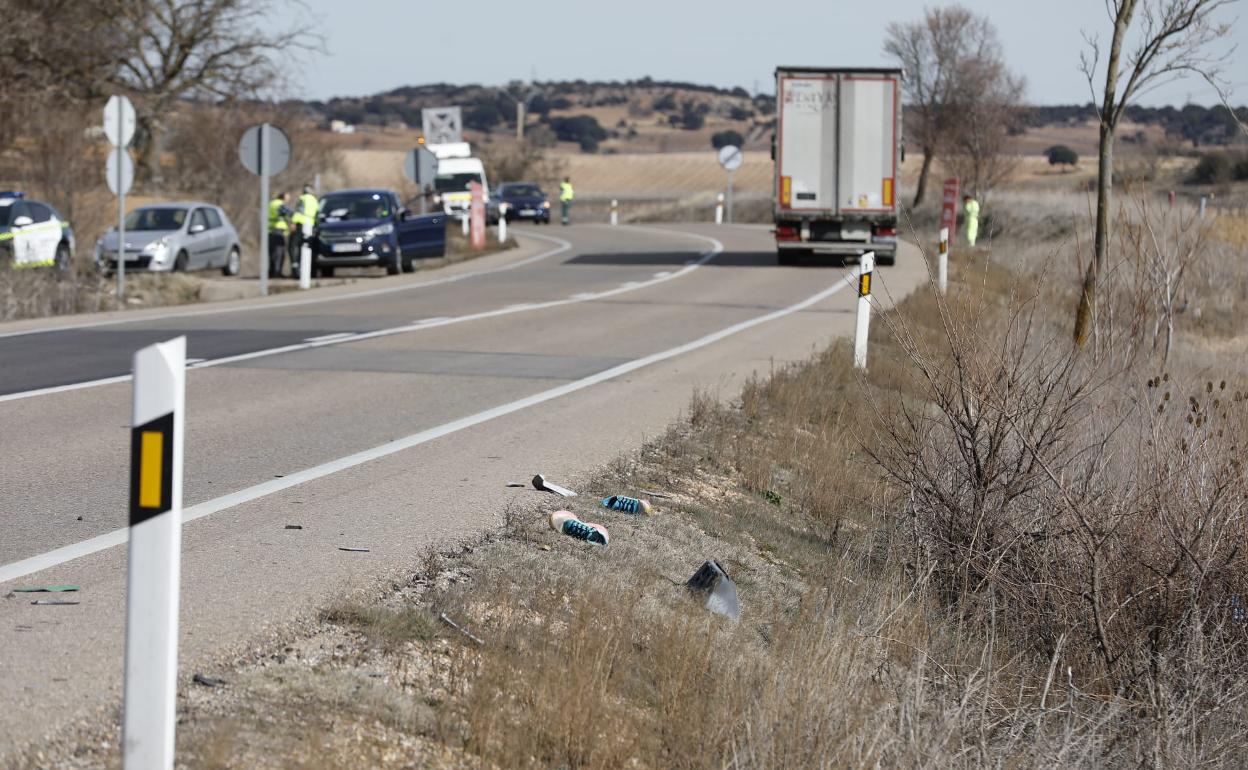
942	264
464	224
615	212
502	223
305	267
865	269
155	556
719	209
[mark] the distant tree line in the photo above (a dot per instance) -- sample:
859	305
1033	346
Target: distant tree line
1203	126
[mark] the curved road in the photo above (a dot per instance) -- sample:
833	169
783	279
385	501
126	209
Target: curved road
386	415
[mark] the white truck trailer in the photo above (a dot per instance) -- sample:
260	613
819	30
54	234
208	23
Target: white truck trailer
837	154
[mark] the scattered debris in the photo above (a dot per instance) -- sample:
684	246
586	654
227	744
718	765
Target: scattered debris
46	589
719	590
294	526
353	550
208	681
628	505
567	523
460	629
540	482
543	547
54	602
516	484
80	518
652	493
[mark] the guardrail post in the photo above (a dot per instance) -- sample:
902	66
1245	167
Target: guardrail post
502	223
942	263
615	212
866	268
305	267
155	556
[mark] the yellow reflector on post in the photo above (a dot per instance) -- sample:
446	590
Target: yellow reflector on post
864	285
151	468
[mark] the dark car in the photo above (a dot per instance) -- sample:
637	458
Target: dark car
524	200
371	228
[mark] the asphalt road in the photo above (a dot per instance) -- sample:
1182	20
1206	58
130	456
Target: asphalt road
386	415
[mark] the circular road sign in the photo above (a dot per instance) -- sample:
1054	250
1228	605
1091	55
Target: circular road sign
119	121
278	147
730	157
119	173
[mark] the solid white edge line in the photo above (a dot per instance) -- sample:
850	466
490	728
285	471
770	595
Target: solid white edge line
326	337
561	247
87	547
428	323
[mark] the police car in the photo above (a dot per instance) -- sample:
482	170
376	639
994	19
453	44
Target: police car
32	234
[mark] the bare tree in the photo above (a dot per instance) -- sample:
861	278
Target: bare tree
977	143
951	56
206	49
1174	38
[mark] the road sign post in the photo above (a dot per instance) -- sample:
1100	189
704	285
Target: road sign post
119	124
942	264
949	208
730	158
866	269
265	152
420	166
155	556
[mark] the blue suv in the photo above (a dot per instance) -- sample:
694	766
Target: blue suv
371	228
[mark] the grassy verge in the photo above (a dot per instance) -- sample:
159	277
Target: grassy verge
985	551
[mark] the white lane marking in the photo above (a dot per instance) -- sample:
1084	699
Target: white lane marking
663	274
521	306
67	553
561	246
582	295
431	320
432	323
324	337
193	361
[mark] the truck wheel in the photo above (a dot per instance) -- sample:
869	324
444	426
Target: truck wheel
886	258
786	257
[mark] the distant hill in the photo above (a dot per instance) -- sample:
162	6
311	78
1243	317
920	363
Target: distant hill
660	115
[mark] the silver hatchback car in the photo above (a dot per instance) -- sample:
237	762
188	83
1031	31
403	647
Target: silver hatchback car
174	236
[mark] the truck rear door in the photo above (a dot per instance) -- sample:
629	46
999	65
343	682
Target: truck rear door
806	150
868	151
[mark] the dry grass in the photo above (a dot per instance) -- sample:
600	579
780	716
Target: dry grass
981	553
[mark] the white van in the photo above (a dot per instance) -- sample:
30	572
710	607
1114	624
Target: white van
457	169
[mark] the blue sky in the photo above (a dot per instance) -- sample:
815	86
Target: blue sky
376	45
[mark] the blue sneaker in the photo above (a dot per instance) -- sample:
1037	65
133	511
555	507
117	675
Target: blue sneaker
627	505
567	523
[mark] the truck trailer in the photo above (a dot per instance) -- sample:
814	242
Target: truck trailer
837	152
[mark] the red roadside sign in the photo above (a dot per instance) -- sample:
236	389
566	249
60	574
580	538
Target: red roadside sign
949	209
477	214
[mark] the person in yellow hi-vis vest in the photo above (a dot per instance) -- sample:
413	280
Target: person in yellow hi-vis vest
278	227
565	198
970	211
304	219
